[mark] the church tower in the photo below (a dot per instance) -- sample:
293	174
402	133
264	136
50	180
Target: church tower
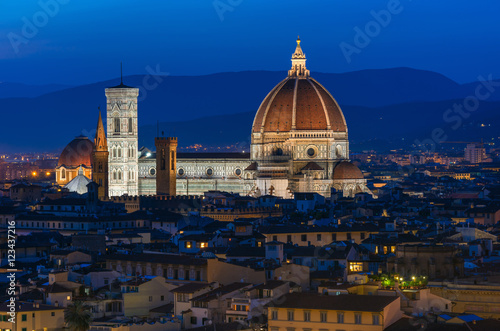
121	104
100	156
166	165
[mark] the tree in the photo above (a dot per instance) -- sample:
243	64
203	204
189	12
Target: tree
78	316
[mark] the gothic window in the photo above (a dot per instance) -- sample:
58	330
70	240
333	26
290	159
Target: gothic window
130	124
63	173
117	124
114	174
119	152
119	175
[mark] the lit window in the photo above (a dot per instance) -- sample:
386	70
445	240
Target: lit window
68	297
188	244
356	266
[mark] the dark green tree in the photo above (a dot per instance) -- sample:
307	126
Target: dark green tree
78	316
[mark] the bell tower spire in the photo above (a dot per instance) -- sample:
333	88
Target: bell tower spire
100	141
298	63
100	157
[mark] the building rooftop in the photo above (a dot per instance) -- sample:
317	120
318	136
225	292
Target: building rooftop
347	302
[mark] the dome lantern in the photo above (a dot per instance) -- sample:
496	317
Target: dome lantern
298	63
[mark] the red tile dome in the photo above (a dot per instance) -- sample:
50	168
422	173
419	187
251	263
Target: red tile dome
347	170
77	152
299	102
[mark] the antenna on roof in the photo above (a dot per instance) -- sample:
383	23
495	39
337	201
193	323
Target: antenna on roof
121	73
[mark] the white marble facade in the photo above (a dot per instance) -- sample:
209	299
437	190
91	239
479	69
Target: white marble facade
299	139
122	135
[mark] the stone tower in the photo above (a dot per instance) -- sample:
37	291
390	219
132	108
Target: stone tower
166	165
100	156
121	103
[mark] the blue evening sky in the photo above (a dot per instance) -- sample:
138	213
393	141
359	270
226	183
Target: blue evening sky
84	41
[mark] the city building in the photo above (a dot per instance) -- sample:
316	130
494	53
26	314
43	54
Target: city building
32	316
475	153
311	311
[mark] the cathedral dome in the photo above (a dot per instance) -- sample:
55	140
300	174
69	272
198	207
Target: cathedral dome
77	152
347	170
299	102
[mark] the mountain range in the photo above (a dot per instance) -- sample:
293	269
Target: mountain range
384	108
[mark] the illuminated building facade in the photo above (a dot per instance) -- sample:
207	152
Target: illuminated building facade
299	144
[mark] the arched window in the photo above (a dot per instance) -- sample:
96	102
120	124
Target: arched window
63	173
130	127
338	152
114	174
119	175
119	152
114	152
